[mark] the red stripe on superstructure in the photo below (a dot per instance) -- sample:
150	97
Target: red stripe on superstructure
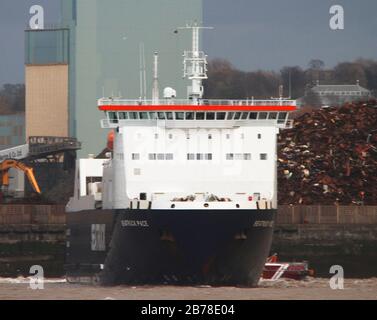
194	108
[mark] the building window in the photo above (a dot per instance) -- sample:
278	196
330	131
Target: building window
160	156
242	136
156	136
259	136
263	156
170	136
208	156
137	171
247	156
136	156
190	156
152	156
238	156
210	136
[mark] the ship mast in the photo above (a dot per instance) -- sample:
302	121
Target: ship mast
195	65
155	90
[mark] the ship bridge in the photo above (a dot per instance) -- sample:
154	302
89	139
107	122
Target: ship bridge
206	113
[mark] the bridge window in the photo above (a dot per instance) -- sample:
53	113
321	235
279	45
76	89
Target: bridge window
169	156
161	115
237	116
190	115
152	156
230	115
123	115
152	115
208	156
263	156
210	116
282	117
253	115
179	116
113	117
200	116
169	115
247	156
160	156
220	115
263	115
244	115
272	116
190	156
143	116
134	116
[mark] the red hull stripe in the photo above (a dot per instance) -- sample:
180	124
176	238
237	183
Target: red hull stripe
194	108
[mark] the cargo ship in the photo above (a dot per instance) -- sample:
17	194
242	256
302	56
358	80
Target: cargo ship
187	193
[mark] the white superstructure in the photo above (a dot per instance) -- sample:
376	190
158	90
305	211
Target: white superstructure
187	154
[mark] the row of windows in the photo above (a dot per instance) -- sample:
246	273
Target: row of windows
343	93
279	116
210	136
199	156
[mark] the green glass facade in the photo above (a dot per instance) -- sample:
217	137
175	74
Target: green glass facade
105	37
47	46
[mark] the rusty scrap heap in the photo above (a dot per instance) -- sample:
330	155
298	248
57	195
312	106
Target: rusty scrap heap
330	156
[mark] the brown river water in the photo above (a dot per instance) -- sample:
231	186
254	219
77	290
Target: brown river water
311	288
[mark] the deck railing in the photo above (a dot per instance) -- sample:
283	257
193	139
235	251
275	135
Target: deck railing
248	102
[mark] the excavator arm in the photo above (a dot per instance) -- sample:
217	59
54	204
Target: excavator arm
6	165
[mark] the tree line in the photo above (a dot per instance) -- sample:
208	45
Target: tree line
227	82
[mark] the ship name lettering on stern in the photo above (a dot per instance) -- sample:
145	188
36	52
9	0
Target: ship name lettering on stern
134	223
263	224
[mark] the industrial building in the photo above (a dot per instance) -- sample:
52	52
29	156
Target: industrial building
105	38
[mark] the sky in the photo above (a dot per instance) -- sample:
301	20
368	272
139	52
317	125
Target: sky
251	34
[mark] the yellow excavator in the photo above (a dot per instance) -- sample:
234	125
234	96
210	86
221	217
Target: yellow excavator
6	165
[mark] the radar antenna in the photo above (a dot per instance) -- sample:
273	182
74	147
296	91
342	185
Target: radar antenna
195	64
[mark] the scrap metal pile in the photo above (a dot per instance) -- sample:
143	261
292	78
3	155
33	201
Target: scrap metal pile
330	157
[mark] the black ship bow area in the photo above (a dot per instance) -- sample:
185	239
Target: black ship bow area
214	247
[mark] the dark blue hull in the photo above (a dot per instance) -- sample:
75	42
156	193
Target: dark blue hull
217	247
